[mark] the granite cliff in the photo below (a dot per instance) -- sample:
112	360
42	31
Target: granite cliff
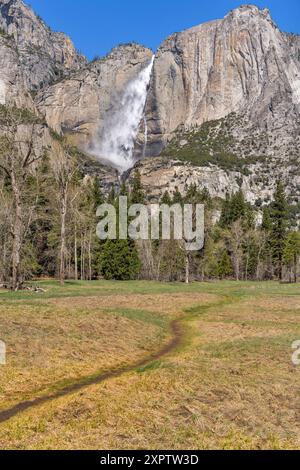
222	108
44	55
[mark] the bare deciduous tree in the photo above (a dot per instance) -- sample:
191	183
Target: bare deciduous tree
64	169
235	239
18	159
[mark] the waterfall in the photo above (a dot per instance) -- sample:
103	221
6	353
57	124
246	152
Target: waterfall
145	136
116	143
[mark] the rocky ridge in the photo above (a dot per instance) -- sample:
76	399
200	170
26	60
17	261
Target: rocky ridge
44	55
223	106
77	105
241	64
225	98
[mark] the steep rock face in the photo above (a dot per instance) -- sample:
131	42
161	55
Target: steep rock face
32	57
12	83
10	80
241	64
78	105
223	106
44	55
160	174
294	43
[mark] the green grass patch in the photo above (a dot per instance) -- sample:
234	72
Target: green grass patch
213	143
150	367
106	288
140	315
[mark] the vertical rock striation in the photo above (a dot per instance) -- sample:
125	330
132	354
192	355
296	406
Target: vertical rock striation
222	108
44	55
242	64
79	105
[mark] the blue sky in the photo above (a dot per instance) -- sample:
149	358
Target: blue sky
96	26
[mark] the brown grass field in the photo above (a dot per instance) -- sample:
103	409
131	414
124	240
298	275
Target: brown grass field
145	365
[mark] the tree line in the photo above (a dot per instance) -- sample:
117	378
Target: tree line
48	222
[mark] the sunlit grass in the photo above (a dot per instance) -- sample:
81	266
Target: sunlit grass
230	383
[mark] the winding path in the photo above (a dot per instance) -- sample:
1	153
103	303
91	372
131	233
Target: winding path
177	332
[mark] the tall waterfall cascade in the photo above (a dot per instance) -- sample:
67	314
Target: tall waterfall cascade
115	144
145	136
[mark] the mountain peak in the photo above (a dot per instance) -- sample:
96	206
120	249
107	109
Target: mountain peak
249	9
13	2
9	8
47	56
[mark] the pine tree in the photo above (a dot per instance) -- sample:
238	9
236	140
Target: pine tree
238	207
278	234
177	197
235	208
250	253
166	199
192	194
112	196
196	196
266	248
96	195
267	221
249	219
225	213
205	198
137	193
224	265
119	260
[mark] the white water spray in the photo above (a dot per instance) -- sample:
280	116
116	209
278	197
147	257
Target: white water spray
117	140
145	136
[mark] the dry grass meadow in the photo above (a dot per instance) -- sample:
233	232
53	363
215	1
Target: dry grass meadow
227	382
